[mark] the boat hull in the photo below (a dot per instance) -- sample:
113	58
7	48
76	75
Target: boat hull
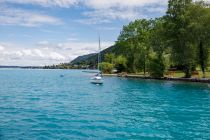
99	82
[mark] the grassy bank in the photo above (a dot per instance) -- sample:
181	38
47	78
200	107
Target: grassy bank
173	76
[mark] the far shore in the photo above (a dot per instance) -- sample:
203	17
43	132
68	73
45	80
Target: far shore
198	80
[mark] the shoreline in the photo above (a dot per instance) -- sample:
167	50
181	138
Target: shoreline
195	80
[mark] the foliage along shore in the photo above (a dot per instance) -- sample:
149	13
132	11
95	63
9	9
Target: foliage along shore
178	41
197	80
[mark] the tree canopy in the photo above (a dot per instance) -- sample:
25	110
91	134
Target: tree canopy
183	34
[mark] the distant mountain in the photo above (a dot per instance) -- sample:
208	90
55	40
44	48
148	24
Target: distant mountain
91	59
83	58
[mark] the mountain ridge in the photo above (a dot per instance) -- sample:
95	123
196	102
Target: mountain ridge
91	59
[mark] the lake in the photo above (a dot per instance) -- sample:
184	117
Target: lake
41	104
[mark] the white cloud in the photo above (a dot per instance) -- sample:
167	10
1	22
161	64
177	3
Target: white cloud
105	11
101	11
1	48
56	56
95	4
100	16
27	52
38	53
156	9
15	55
128	14
47	54
13	16
72	49
107	4
45	3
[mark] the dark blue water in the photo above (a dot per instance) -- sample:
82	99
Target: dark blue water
41	104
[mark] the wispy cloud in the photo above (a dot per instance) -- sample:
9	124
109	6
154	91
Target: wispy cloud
13	16
92	21
95	4
113	14
45	3
105	11
107	4
101	16
102	11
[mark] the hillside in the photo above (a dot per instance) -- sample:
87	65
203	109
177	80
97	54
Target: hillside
91	59
83	58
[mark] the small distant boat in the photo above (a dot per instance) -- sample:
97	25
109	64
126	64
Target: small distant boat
99	82
97	79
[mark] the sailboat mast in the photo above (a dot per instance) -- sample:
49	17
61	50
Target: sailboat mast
99	52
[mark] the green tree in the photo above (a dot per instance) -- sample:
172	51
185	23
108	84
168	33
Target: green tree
106	67
134	40
158	40
199	30
109	57
158	44
183	51
156	67
121	63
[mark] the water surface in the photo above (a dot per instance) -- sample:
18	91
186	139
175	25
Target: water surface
40	104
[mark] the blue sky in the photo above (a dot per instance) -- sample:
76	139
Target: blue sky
45	32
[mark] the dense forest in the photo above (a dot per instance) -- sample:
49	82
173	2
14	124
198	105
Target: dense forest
178	40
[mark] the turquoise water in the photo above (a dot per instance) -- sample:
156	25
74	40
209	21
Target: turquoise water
39	104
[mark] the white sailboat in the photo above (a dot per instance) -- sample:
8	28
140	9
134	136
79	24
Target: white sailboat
97	79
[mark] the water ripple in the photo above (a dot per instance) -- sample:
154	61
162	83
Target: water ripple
40	104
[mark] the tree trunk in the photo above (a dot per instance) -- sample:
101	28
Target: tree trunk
144	66
202	58
188	71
